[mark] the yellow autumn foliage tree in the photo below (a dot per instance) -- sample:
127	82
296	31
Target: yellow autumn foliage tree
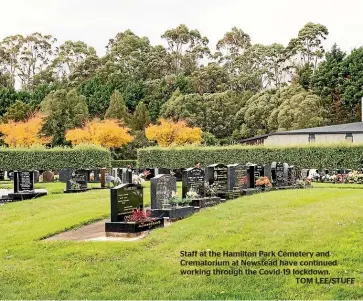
173	133
107	133
24	133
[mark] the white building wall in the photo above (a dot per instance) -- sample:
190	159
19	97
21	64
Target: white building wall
304	139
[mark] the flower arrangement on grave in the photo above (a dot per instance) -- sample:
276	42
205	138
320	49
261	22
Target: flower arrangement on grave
263	182
74	185
115	181
339	178
210	190
40	178
192	194
56	178
138	216
140	178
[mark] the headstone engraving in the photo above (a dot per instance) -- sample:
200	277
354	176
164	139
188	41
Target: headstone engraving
237	177
23	181
193	178
125	198
162	188
78	181
2	175
218	177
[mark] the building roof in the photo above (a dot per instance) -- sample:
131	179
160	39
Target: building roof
346	128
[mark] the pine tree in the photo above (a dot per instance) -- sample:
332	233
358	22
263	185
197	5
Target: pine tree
117	108
141	117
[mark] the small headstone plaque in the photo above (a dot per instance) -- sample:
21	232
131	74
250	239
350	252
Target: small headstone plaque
161	190
125	198
193	178
237	177
218	176
23	181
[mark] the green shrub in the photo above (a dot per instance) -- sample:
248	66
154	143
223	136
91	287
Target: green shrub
316	156
123	163
83	156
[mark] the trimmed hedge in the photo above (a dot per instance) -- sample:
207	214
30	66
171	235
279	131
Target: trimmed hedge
309	156
85	156
123	163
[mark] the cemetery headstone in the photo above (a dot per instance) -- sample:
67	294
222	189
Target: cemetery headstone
178	173
279	172
304	173
77	182
65	174
11	174
2	175
23	181
125	198
103	177
193	178
36	176
291	176
252	173
237	177
163	171
218	177
162	188
48	176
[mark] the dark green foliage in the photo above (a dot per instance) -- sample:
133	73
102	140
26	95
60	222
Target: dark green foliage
64	110
18	111
318	156
123	163
97	95
83	156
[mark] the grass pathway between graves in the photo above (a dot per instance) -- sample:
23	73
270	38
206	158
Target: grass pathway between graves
293	220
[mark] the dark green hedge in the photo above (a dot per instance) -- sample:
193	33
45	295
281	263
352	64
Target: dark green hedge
123	163
78	157
317	156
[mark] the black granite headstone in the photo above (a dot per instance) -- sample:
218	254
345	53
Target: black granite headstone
252	175
125	198
193	178
78	181
95	176
178	173
23	181
163	171
65	174
237	177
36	176
291	176
162	188
218	176
2	175
279	174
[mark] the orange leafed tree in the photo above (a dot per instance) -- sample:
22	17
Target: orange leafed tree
169	133
24	133
107	133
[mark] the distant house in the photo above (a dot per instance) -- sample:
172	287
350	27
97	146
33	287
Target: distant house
351	132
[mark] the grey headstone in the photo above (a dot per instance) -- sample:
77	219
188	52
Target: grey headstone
161	189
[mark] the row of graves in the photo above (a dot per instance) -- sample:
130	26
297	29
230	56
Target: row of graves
333	175
201	188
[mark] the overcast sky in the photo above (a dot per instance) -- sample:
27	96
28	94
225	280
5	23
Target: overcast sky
266	21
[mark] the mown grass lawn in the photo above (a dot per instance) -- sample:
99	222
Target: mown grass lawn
293	220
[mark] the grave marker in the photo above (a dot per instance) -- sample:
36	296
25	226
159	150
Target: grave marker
162	188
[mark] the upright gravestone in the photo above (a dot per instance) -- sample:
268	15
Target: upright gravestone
178	173
95	176
11	174
304	173
48	176
279	173
252	173
65	174
162	188
193	179
77	182
164	171
291	176
125	198
2	175
237	177
23	181
218	177
36	176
